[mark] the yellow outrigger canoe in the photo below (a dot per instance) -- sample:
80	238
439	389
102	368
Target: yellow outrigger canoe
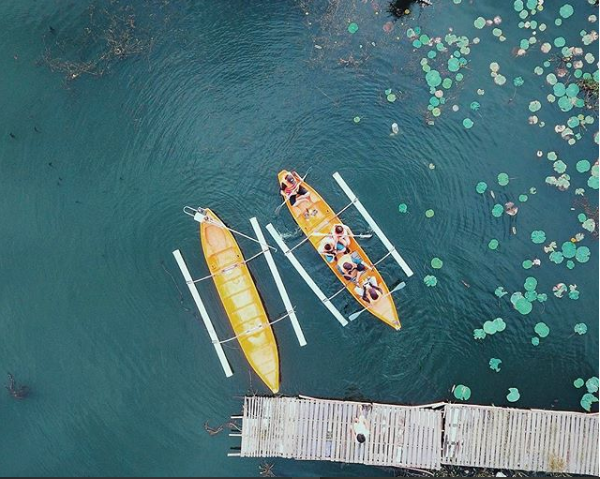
315	226
240	299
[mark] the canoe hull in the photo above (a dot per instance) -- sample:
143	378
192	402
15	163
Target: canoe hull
241	300
321	223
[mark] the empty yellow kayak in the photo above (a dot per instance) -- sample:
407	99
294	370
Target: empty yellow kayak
318	222
240	299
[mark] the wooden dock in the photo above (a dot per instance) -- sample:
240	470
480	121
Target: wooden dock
423	437
518	439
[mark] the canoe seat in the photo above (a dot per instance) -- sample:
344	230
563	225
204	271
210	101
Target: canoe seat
224	258
249	313
241	299
233	285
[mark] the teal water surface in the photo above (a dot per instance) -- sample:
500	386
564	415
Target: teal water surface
215	99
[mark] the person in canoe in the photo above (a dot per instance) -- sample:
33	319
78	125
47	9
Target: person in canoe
352	267
327	249
299	197
341	235
369	290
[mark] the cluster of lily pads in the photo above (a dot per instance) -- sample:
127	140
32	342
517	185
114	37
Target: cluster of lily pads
430	280
442	67
568	78
523	302
591	396
463	393
569	251
490	328
542	330
563	181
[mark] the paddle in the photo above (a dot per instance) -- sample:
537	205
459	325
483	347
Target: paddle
278	209
361	235
353	316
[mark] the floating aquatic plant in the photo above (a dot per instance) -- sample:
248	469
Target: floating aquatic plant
495	364
513	395
580	328
462	392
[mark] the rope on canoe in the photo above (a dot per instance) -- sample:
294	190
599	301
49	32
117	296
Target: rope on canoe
255	329
228	268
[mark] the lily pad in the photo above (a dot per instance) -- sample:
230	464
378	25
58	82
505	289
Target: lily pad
535	341
503	179
430	280
489	327
499	324
583	254
437	263
495	364
556	257
481	187
578	383
391	98
592	385
500	292
353	28
493	244
583	166
542	330
468	123
530	283
497	210
587	400
527	264
568	249
402	207
462	392
523	306
538	236
479	334
580	328
513	395
429	213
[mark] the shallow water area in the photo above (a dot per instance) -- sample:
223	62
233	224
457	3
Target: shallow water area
203	107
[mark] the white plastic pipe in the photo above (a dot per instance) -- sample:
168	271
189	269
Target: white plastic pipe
371	222
277	277
203	313
305	276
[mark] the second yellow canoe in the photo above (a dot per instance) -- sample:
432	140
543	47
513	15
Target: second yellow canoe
240	299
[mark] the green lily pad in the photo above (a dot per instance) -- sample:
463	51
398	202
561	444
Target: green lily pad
429	213
578	383
530	283
523	198
495	364
568	249
527	264
479	334
497	210
353	28
513	395
523	306
481	187
538	237
493	244
592	385
534	106
503	179
468	123
535	341
556	257
583	254
542	297
518	81
430	280
580	328
356	119
542	330
583	166
499	324
462	392
479	23
566	11
489	327
587	400
437	263
391	98
500	292
402	207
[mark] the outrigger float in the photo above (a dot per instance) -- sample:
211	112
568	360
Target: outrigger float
319	224
239	295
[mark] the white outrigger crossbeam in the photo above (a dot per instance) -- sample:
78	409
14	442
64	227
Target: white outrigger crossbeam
278	282
203	313
305	276
374	226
